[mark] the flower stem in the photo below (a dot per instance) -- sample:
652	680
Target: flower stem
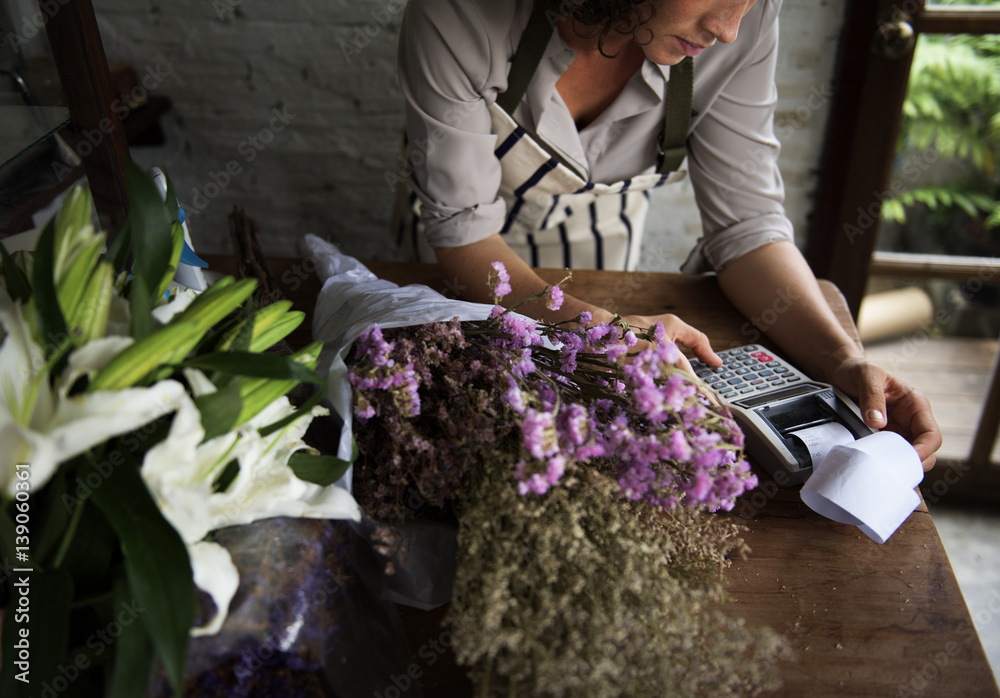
91	600
74	523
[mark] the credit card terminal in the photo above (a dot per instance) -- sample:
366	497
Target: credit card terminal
790	421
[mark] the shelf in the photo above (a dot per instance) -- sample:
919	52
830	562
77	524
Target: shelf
26	127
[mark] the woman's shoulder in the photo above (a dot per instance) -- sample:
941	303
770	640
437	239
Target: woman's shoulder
476	36
463	20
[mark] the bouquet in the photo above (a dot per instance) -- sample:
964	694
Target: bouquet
579	479
136	418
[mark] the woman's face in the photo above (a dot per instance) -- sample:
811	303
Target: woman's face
682	28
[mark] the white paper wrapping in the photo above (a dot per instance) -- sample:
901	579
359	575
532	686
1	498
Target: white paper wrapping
868	483
352	300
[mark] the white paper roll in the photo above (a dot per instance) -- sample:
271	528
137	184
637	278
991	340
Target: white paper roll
821	439
867	483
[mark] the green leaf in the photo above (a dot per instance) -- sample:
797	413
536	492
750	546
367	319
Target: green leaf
135	363
133	649
254	365
892	210
120	249
150	223
18	286
177	242
170	199
52	324
156	563
318	469
965	203
219	410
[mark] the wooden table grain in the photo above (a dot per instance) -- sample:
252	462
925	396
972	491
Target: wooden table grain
864	620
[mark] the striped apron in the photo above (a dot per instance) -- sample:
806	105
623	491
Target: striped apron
555	218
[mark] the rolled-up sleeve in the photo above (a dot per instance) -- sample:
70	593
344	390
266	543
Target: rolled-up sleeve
446	63
733	158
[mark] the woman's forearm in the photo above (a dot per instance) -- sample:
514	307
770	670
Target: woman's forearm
469	267
774	287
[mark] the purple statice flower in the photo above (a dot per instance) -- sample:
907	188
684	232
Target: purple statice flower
374	348
677	391
680	449
585	318
539	432
615	352
554	298
363	409
574	424
659	333
630	339
668	353
693	415
514	397
523	364
554	469
501	287
523	331
596	335
648	402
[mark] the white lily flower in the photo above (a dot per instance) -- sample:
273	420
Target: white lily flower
214	572
180	472
43	428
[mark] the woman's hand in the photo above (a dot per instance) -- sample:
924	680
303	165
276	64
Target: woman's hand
679	332
887	402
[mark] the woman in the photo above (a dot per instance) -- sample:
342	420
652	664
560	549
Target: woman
536	132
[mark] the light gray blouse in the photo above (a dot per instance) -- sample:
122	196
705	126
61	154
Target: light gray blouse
453	61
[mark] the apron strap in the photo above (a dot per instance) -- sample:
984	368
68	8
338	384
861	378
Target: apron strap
531	47
673	139
528	55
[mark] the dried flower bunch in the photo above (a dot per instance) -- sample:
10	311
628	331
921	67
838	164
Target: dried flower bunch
579	593
587	564
566	395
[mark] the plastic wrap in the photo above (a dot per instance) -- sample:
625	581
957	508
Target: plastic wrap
353	299
303	623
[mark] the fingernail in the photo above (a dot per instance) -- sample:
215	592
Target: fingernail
875	416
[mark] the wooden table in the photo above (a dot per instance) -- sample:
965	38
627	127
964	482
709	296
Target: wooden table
864	619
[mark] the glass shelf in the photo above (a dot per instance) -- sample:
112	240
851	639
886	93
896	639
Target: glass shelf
26	127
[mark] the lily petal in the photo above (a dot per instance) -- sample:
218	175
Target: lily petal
215	574
86	420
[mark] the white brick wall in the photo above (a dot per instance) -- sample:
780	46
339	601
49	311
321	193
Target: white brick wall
292	110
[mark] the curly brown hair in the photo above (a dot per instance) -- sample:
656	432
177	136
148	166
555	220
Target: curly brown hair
602	17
